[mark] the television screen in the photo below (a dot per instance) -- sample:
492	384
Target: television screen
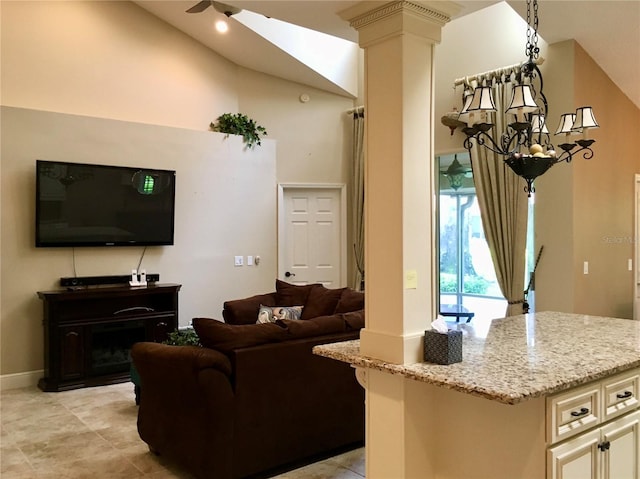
99	205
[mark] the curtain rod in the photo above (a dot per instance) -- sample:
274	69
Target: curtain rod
492	73
353	110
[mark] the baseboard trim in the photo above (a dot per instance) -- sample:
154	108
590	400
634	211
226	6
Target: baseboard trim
20	380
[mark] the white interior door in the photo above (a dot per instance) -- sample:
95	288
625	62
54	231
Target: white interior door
312	234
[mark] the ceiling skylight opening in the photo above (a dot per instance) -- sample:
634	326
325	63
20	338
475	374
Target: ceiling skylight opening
334	58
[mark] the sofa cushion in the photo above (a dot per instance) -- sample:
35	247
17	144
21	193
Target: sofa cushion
354	319
318	326
245	311
321	301
292	294
269	314
224	337
350	300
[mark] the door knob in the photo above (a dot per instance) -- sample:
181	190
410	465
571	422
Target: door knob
288	274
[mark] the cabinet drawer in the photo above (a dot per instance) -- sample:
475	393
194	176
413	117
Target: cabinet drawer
573	412
620	394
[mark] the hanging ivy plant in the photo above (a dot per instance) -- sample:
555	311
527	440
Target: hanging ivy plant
239	124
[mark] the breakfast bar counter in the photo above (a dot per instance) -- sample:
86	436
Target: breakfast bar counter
521	357
545	394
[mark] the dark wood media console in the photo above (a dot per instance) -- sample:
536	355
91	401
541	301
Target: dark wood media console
88	332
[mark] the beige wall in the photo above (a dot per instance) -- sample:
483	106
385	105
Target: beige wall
222	209
107	82
584	211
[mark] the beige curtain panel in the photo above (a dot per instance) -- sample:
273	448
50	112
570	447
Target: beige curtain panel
357	203
503	208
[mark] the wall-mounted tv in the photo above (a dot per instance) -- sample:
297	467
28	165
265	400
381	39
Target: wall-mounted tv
81	204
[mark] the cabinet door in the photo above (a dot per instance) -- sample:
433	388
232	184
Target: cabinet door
72	352
576	458
620	460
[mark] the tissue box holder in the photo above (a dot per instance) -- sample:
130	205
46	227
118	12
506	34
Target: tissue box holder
443	348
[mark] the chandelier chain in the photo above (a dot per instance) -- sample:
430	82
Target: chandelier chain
532	51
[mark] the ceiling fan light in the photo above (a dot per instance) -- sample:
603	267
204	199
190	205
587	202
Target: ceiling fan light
222	26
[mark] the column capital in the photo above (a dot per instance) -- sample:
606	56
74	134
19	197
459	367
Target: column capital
376	21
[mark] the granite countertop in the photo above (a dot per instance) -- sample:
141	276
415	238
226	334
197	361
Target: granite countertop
521	357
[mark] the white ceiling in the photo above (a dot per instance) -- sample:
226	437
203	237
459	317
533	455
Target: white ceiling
608	30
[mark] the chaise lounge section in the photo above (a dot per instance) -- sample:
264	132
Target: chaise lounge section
254	398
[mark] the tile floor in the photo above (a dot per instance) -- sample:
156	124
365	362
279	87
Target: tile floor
91	433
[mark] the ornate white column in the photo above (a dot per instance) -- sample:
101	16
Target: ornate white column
399	39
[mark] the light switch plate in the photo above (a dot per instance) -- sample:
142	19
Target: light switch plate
238	261
249	260
585	268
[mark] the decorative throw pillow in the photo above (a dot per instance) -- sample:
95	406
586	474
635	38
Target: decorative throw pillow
321	302
287	293
270	314
350	301
244	311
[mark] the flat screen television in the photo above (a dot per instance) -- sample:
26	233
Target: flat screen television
81	204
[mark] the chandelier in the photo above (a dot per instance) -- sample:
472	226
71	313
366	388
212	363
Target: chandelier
526	144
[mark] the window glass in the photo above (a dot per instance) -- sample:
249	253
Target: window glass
467	276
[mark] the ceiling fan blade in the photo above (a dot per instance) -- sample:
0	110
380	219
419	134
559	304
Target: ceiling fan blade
200	6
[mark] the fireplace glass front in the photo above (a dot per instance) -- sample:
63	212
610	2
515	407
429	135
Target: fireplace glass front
111	345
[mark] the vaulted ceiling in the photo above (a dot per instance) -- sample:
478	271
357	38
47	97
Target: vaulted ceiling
608	30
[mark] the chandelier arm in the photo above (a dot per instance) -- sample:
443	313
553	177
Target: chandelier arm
567	156
511	143
481	139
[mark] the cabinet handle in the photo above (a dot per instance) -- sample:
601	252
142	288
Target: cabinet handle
134	309
604	446
583	411
624	395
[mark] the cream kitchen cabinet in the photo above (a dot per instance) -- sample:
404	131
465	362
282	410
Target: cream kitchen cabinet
594	430
609	452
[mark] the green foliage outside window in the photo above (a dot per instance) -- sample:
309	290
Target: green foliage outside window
472	284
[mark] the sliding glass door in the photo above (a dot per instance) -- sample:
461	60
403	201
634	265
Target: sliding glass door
467	276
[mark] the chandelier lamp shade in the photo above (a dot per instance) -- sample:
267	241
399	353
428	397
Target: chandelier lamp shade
525	144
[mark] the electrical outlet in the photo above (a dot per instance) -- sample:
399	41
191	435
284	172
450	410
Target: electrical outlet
585	268
238	261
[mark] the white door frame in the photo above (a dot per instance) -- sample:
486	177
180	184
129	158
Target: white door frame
636	248
342	189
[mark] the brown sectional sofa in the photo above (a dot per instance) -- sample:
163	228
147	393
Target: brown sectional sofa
254	398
